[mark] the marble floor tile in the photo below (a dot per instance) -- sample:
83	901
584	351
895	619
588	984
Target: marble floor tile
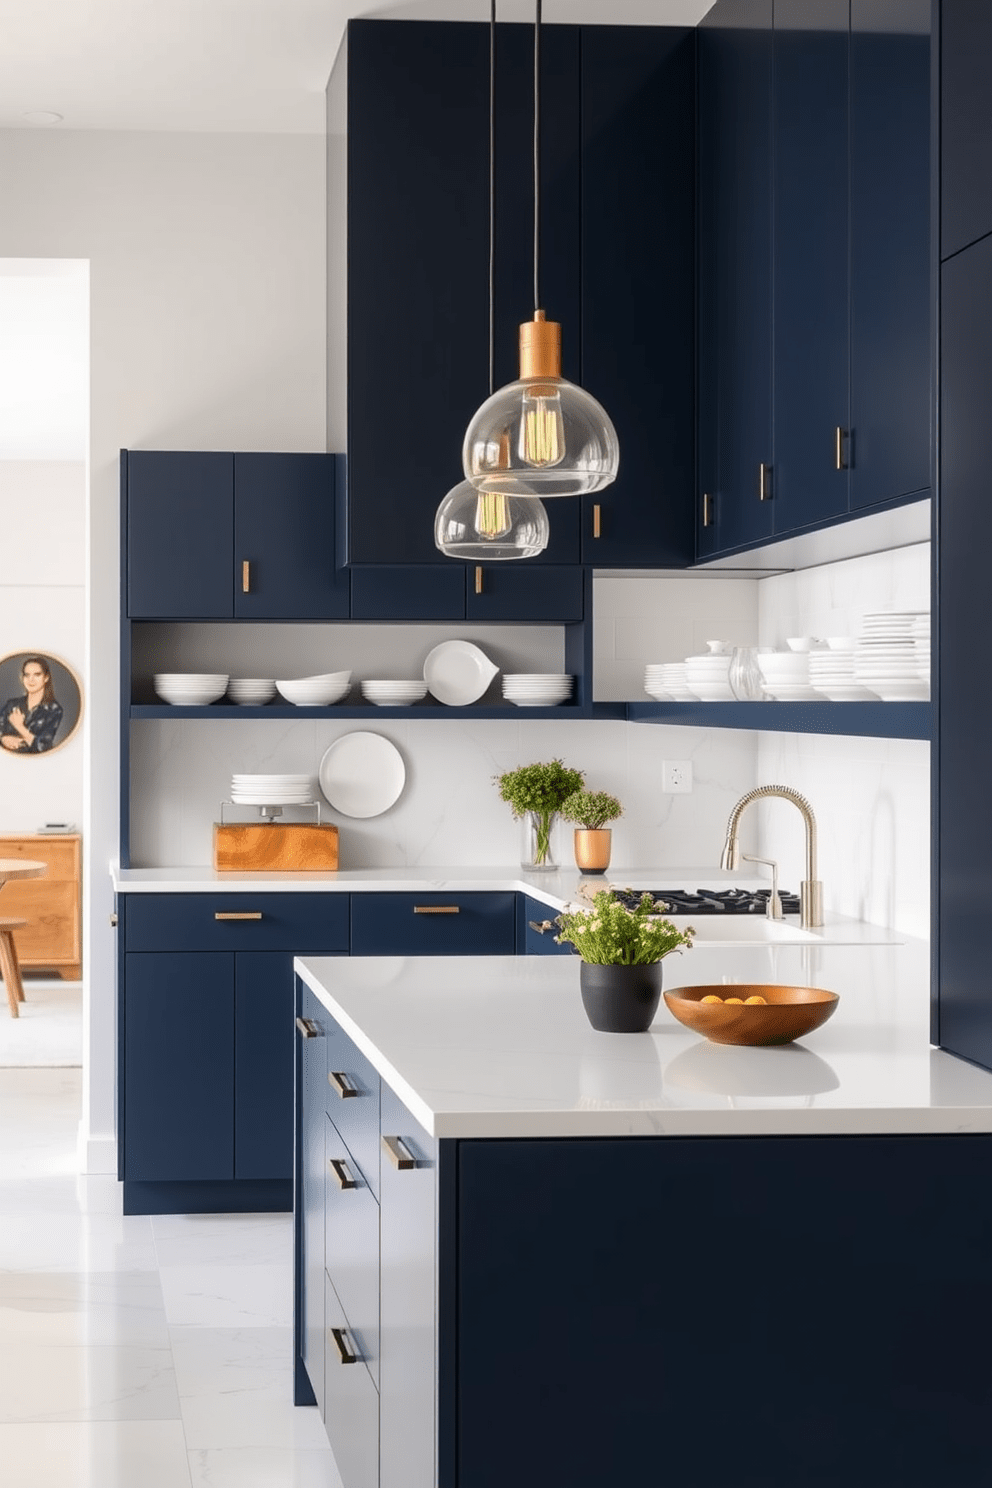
76	1193
227	1239
210	1361
100	1309
261	1468
252	1418
228	1296
39	1382
74	1242
95	1454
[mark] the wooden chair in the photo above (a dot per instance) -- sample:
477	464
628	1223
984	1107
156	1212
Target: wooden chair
9	969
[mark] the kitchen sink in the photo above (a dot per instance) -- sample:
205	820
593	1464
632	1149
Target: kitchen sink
744	930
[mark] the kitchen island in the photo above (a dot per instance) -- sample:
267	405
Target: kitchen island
553	1256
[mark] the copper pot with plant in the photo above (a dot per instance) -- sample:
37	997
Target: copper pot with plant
593	840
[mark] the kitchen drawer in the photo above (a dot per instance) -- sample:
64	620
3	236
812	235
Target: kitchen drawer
537	942
352	1101
351	1401
299	923
433	924
351	1245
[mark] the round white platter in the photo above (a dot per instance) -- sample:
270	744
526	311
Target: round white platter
458	673
362	774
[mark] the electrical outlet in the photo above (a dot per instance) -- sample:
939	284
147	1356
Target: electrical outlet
676	777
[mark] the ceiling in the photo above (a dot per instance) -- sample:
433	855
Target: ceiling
233	66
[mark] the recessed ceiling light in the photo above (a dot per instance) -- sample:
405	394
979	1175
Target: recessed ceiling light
41	116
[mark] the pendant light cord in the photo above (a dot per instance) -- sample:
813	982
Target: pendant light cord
537	154
492	197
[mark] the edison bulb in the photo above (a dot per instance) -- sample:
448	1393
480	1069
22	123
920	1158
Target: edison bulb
542	427
487	526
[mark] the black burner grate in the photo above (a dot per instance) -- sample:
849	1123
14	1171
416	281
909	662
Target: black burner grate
712	901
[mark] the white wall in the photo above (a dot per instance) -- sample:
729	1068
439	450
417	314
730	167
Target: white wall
207	323
42	608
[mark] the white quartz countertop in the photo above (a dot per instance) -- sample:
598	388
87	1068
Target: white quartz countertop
501	1047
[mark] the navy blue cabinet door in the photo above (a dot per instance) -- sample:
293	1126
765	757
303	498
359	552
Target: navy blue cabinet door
284	533
512	591
263	1065
433	924
179	1066
735	103
811	354
965	711
891	282
638	285
965	124
414	592
180	535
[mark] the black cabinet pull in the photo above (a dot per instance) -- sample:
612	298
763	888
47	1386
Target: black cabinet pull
341	1173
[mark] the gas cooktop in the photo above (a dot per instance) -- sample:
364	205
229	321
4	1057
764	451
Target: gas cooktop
712	901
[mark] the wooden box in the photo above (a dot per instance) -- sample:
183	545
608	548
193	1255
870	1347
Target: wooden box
51	905
260	847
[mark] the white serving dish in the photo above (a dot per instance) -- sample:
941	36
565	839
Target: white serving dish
362	774
458	673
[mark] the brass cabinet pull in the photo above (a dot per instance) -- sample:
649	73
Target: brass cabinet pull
437	909
237	914
839	437
596	520
246	577
340	1171
341	1340
764	482
541	926
478	578
707	509
398	1153
308	1027
113	922
341	1084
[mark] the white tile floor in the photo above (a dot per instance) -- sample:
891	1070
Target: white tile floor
137	1352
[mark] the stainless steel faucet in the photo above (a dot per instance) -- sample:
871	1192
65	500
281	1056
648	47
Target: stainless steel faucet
810	890
773	909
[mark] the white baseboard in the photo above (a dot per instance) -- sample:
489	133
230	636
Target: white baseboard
96	1154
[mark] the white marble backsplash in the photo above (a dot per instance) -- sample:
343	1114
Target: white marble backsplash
833	599
449	813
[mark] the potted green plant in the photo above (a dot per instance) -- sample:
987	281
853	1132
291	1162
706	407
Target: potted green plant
590	811
535	793
622	951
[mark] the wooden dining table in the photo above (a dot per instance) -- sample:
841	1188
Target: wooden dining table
10	971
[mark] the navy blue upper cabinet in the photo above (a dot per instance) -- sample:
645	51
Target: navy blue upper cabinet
810	292
180	534
221	536
965	123
891	276
284	533
638	287
735	258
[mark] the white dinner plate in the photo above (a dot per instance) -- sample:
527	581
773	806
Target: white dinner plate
458	673
362	774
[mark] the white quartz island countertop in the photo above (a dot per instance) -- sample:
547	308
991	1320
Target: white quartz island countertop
500	1047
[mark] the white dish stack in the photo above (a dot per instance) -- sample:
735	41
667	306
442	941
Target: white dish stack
190	689
706	677
393	694
537	689
665	680
315	692
921	646
271	790
251	691
885	658
786	675
831	672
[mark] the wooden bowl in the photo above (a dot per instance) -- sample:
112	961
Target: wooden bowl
788	1013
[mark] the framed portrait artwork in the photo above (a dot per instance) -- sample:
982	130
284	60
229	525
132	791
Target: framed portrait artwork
41	703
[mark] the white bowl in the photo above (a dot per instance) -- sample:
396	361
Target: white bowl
311	695
801	643
251	689
183	692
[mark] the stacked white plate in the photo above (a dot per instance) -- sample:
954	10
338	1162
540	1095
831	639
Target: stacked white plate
190	689
665	680
706	677
251	690
885	658
921	645
537	689
786	675
316	692
271	790
831	672
393	694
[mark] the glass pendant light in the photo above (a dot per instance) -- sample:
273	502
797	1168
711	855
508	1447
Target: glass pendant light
541	435
491	525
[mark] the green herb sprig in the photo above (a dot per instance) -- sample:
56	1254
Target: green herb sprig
609	934
591	810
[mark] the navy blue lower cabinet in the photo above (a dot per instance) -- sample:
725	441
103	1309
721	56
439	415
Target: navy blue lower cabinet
179	1067
308	1208
536	929
263	1064
433	924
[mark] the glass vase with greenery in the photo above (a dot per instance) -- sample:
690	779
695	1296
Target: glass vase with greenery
535	794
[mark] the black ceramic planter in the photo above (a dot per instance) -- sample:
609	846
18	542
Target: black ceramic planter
620	999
